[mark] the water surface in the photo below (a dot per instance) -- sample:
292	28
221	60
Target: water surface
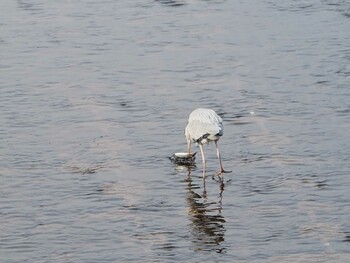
95	96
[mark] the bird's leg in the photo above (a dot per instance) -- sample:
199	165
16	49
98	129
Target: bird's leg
221	170
203	159
188	148
219	157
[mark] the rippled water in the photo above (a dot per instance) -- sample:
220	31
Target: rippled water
95	96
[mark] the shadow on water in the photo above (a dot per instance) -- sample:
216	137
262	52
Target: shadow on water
207	222
28	6
171	2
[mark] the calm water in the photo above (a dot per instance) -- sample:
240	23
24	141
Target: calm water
95	96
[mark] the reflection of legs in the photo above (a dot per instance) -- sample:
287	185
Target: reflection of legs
203	159
204	195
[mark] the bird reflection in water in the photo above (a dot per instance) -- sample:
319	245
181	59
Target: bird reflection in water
207	222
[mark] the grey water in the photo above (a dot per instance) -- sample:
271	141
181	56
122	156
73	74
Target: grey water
95	95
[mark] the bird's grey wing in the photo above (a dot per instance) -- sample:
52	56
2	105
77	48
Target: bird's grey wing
198	129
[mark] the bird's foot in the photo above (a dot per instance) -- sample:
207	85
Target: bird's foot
222	171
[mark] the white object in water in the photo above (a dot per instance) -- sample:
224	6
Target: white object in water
181	155
183	158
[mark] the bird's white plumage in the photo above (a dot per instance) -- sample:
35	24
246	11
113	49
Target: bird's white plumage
204	125
206	116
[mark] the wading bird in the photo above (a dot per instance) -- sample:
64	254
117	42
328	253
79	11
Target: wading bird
204	126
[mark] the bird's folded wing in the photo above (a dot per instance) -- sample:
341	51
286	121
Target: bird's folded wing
199	129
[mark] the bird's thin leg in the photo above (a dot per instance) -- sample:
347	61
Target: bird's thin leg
219	157
188	148
203	159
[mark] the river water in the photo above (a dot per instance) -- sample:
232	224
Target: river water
95	95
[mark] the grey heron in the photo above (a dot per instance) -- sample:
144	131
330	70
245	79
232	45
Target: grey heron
204	126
